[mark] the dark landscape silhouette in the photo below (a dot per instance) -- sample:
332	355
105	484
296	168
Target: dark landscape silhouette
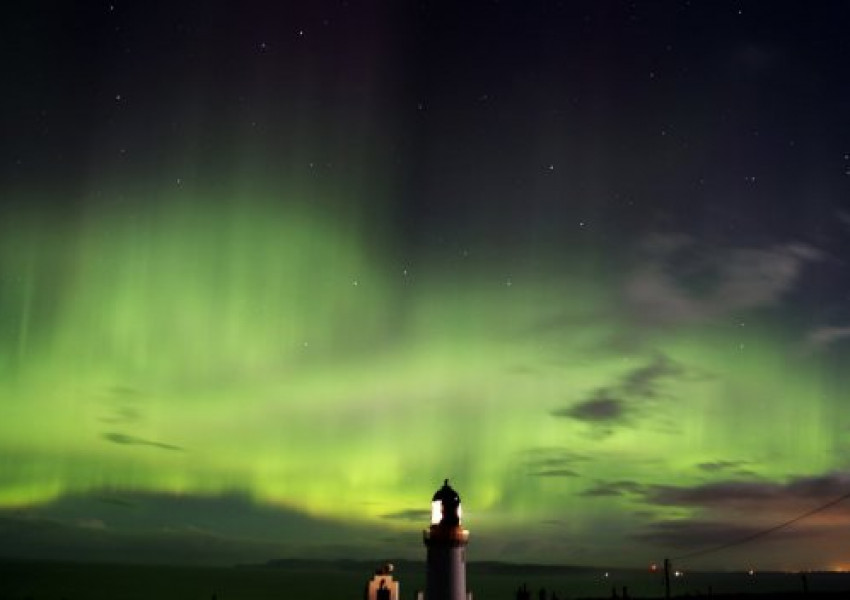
344	580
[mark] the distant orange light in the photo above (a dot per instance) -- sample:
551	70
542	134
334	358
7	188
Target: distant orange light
653	568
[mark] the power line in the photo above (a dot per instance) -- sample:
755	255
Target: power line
764	532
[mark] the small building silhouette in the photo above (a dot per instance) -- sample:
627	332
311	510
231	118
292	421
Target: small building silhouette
382	586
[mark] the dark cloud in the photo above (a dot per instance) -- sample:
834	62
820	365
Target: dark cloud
185	528
115	501
614	488
750	509
643	514
694	533
797	492
552	462
91	540
702	542
555	473
416	515
552	456
643	381
123	405
826	486
625	399
723	465
596	410
710	493
123	415
131	440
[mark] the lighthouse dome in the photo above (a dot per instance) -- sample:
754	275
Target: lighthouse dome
445	506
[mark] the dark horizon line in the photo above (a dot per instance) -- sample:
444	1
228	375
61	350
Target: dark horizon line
367	564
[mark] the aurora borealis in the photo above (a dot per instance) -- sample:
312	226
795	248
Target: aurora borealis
269	272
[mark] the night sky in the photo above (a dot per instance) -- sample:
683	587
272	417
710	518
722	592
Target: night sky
271	271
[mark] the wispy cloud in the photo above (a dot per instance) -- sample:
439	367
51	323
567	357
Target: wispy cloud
116	501
822	337
131	440
417	515
123	405
555	473
614	488
723	466
122	415
552	462
643	382
681	281
621	402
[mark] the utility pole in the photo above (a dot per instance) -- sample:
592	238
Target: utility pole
667	578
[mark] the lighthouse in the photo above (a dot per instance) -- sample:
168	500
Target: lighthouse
446	542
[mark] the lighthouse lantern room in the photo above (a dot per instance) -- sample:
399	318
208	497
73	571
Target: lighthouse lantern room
446	543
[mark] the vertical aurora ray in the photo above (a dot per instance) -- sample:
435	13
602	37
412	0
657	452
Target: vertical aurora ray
211	345
276	331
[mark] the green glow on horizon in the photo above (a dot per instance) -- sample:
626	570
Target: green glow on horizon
287	356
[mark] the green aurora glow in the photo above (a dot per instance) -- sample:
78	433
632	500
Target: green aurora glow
241	346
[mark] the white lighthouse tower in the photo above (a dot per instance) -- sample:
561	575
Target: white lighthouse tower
446	542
